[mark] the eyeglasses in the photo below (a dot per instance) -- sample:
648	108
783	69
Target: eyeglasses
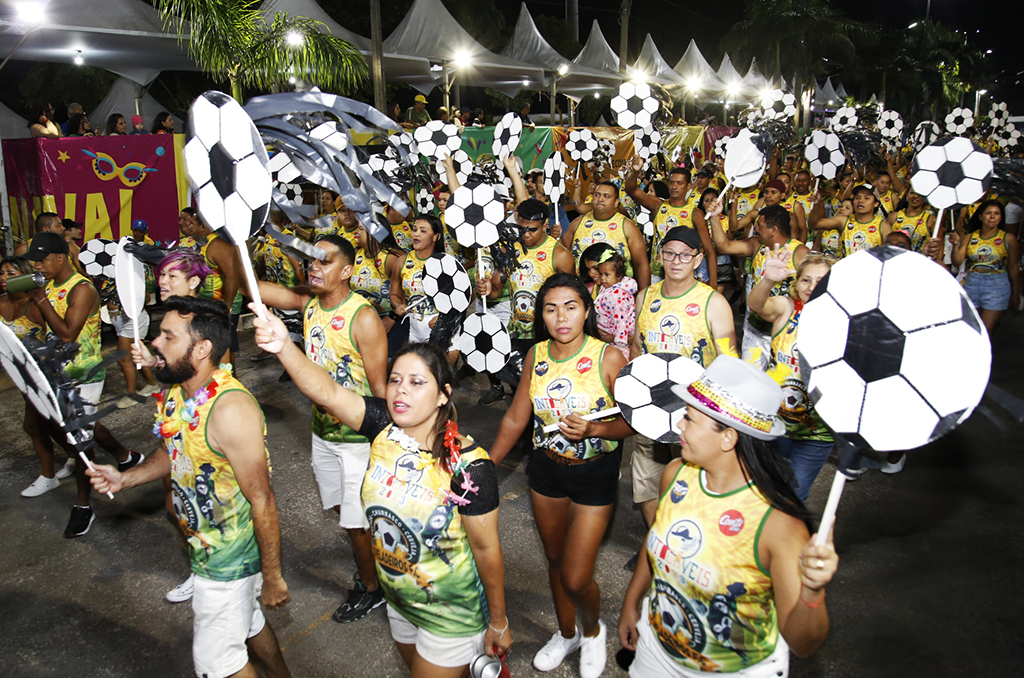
669	256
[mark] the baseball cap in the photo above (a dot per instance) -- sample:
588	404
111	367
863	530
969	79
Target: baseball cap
863	187
685	235
777	185
136	119
535	170
45	244
68	224
420	98
140	225
706	172
532	209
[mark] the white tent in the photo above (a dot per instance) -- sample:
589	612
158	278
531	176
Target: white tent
735	87
528	45
412	70
431	32
126	37
756	80
12	125
124	96
597	53
841	91
826	96
653	66
697	74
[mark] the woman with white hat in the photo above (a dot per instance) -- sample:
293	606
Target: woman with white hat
734	582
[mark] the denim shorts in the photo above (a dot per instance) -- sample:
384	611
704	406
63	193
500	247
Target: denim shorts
990	291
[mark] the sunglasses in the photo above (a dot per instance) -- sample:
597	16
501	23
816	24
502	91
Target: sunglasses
529	230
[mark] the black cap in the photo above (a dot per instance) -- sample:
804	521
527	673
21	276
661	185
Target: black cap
685	235
706	172
44	244
68	224
532	209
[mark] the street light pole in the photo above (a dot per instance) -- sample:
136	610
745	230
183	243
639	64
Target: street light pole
624	36
377	56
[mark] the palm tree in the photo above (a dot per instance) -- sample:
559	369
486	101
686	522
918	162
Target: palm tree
233	40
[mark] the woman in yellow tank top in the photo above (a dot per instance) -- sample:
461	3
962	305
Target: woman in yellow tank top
573	471
993	277
732	581
914	219
371	276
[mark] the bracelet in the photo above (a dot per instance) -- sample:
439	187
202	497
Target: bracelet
500	632
816	604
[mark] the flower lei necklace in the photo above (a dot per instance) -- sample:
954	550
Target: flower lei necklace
168	425
454	464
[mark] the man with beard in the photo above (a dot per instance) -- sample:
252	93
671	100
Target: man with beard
345	336
606	224
217	458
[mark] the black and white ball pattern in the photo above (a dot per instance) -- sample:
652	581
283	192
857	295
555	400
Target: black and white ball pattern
437	139
333	137
952	171
845	119
824	154
581	144
26	375
646	142
485	343
554	177
405	141
290	193
779	105
925	133
999	114
460	162
722	146
867	342
890	124
506	136
644	221
424	201
634	106
473	215
643	392
1008	136
959	120
227	166
97	258
282	169
447	284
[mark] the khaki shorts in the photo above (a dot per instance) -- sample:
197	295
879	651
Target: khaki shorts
648	464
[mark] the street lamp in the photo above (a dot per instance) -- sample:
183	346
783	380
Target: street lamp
294	39
977	100
78	58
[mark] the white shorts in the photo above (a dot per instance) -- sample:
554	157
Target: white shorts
227	613
653	662
125	326
419	331
648	464
339	469
438	650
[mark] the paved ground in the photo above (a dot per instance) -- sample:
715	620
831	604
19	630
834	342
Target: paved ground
928	581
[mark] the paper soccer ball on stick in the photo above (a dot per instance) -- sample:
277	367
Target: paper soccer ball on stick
581	144
405	141
282	169
473	215
634	106
999	114
1007	136
890	124
446	282
844	119
779	105
462	164
97	258
745	162
506	136
868	342
643	392
824	154
424	201
227	166
952	171
485	343
646	142
554	177
959	120
644	222
26	375
292	193
437	139
925	133
722	146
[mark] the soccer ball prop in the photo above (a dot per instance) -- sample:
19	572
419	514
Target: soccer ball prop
890	125
952	171
722	146
844	120
1007	136
634	106
646	142
97	258
999	114
643	392
331	136
485	343
554	177
404	141
282	169
925	133
581	144
26	375
959	120
460	162
291	194
745	163
473	215
424	201
644	222
446	282
227	166
824	154
872	343
437	139
778	105
506	136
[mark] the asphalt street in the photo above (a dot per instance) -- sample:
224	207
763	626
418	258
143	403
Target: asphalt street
928	573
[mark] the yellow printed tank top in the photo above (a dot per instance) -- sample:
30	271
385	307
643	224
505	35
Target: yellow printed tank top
535	266
370	279
592	230
279	266
666	218
711	604
23	327
779	288
560	387
915	227
329	344
213	286
677	324
802	421
412	284
89	340
857	236
746	200
214	515
987	256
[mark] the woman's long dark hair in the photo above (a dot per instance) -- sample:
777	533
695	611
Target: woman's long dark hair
439	367
436	226
158	122
762	465
540	328
112	123
592	253
389	245
700	203
974	223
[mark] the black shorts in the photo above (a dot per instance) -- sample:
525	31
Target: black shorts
592	484
234	331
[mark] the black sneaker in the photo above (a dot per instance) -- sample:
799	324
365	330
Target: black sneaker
630	565
81	521
494	394
360	603
133	460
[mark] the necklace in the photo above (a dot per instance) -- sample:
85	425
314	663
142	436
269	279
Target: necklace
187	413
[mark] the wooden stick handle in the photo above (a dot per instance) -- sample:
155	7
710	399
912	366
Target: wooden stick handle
828	518
254	285
938	224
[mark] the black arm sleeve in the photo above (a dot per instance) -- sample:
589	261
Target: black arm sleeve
376	419
482	475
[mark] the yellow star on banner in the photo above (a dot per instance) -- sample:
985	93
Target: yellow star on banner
62	156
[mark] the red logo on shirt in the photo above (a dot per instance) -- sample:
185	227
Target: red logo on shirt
62	294
999	241
337	322
611	227
692	309
542	256
584	365
872	229
731	523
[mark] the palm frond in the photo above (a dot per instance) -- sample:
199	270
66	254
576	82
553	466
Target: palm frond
321	58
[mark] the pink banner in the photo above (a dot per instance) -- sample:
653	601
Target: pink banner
104	183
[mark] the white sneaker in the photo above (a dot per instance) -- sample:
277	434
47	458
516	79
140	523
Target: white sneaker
40	485
125	402
557	649
149	390
67	470
894	468
594	654
183	591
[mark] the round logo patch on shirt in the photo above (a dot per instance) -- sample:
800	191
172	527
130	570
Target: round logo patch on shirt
62	294
541	369
872	229
559	388
337	322
685	538
679	491
731	523
583	365
655	305
692	309
542	256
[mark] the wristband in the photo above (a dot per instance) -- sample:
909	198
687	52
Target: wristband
816	604
500	632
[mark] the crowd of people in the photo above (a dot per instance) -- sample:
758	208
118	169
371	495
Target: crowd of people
41	123
728	579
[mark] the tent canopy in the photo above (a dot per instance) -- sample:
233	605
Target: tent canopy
736	88
653	67
597	53
841	91
756	80
12	125
126	37
826	96
697	74
429	31
122	99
